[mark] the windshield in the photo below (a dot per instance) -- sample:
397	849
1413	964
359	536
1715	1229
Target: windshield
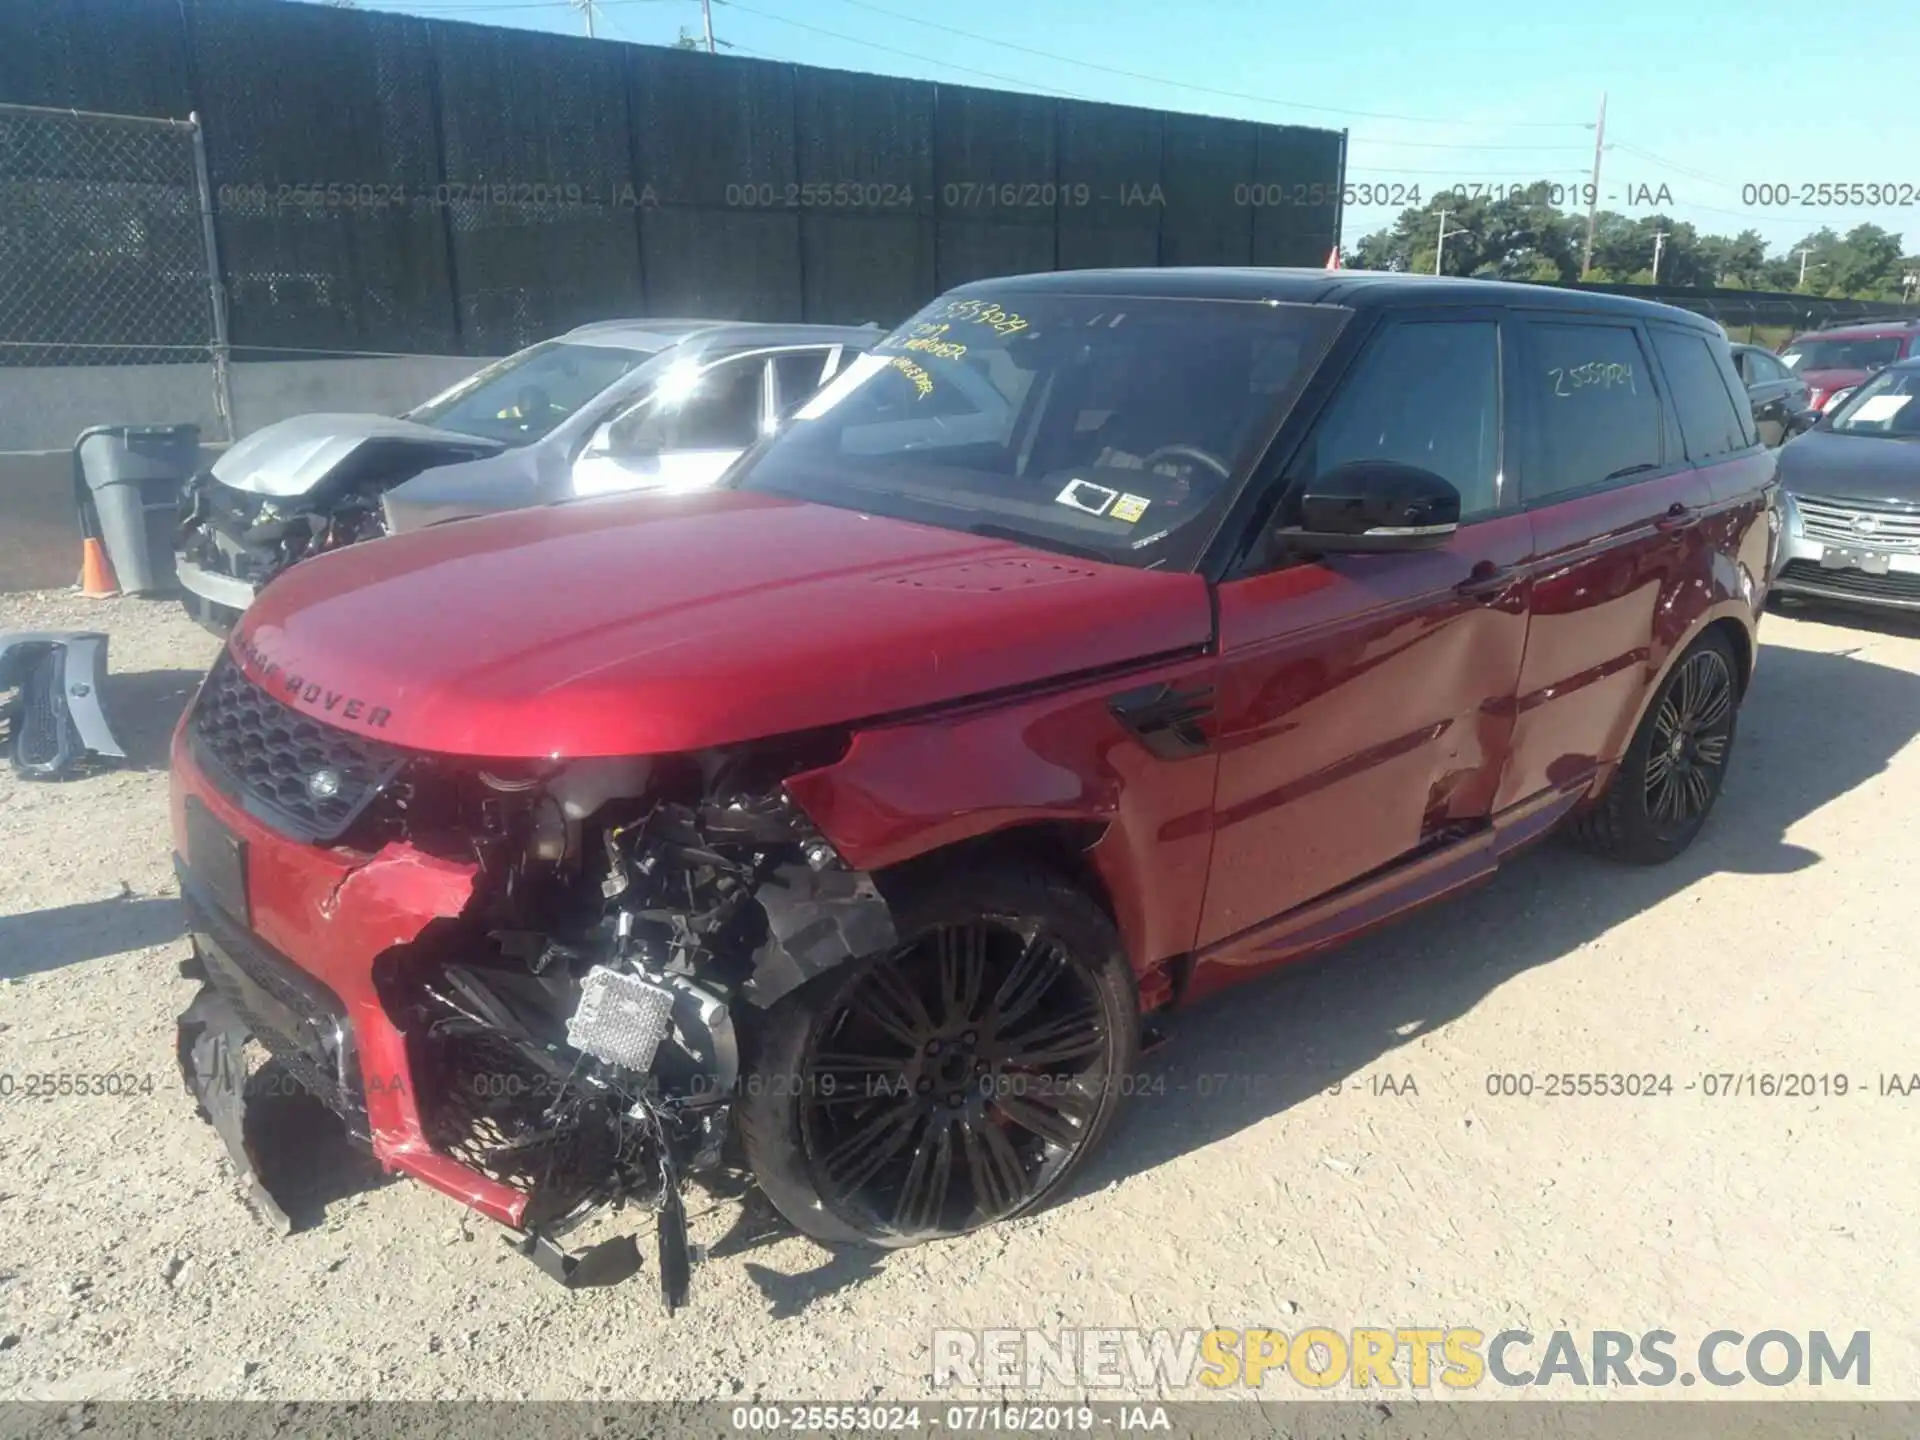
523	397
1110	426
1883	406
1805	355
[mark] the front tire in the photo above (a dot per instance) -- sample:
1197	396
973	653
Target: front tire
1671	775
959	1079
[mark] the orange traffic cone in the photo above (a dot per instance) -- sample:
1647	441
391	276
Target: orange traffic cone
96	571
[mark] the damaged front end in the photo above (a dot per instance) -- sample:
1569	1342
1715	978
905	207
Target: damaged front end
294	490
540	980
231	542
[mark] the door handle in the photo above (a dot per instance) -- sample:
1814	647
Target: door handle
1678	518
1486	581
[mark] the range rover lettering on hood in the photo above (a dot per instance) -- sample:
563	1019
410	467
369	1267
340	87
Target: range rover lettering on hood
272	676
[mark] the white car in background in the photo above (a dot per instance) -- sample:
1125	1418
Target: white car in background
615	406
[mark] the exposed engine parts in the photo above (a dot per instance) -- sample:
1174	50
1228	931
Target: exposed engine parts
620	1018
576	1034
254	537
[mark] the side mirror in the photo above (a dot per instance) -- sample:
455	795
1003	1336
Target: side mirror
1375	505
1801	421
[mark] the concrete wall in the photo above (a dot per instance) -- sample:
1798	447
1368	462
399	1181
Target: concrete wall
42	411
44	408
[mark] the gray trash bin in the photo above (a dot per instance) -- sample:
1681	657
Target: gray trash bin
127	480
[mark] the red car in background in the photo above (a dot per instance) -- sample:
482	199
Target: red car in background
1836	358
1099	640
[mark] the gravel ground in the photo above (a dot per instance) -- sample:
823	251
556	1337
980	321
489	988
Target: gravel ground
132	1268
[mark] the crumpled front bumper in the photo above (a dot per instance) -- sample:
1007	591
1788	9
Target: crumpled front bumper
210	1044
297	973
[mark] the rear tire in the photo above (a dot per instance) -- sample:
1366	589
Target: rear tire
958	1080
1671	775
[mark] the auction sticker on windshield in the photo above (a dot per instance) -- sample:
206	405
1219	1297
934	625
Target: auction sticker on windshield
1085	495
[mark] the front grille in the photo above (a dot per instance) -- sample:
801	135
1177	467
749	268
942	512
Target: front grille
299	1020
262	754
1897	586
1838	523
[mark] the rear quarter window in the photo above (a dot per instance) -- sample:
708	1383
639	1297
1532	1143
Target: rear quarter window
1592	407
1712	423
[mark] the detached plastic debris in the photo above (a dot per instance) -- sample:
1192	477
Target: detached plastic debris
54	725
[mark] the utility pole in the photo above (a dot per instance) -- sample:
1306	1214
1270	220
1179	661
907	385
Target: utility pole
1803	254
706	16
1659	244
1440	241
1593	195
585	7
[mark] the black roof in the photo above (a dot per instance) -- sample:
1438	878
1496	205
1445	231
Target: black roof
1353	289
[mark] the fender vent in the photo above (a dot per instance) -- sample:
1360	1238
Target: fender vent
1168	720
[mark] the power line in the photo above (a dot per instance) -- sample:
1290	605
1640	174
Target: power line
1686	170
909	54
1001	44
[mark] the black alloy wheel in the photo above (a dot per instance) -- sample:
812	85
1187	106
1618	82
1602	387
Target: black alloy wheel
954	1082
1692	733
1673	769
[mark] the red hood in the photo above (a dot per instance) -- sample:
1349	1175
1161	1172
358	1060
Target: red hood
657	623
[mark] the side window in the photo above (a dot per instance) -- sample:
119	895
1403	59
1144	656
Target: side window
797	374
1709	416
1425	393
1594	404
1743	405
722	414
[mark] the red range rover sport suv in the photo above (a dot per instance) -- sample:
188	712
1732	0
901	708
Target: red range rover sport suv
1099	640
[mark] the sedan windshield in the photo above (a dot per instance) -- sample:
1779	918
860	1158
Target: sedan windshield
1806	355
1110	426
521	398
1884	406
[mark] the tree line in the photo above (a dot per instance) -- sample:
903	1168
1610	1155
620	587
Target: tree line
1522	235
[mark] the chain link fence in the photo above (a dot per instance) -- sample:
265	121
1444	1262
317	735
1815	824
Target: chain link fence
107	252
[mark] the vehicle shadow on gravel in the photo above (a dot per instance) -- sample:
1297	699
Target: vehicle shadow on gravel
143	706
1814	726
43	940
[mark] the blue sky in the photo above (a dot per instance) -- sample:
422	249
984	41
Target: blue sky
1705	97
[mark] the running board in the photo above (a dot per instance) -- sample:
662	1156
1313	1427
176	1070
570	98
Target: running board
1373	900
